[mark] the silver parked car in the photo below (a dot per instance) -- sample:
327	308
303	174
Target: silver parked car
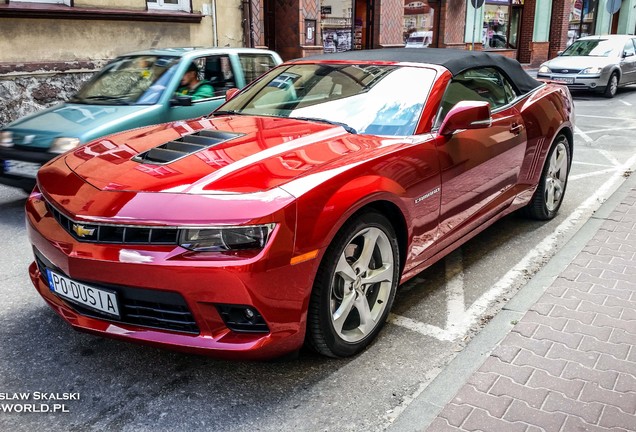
598	63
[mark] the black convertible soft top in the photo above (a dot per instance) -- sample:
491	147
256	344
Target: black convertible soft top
455	60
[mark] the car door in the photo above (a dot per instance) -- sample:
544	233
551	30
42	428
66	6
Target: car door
479	166
215	69
628	62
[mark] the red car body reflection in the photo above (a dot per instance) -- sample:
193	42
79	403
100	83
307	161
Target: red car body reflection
303	179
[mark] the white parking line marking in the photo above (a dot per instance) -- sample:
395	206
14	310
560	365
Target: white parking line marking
610	157
624	102
455	286
585	137
604	117
458	324
578	131
591	174
591	164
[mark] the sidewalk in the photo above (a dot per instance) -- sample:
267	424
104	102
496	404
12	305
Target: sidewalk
559	359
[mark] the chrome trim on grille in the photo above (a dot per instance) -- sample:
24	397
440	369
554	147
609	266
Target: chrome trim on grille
114	233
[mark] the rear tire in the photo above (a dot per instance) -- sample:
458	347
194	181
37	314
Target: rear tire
354	287
612	86
547	199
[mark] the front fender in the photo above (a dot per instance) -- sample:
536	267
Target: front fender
323	211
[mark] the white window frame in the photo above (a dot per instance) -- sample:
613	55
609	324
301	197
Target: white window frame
65	2
182	5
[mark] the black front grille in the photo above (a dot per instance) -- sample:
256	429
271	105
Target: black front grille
184	146
566	71
137	306
105	233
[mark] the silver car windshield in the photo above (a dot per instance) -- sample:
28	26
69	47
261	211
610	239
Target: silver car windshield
138	80
368	99
593	48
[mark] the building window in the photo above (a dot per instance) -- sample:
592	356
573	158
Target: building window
65	2
582	19
419	23
502	19
181	5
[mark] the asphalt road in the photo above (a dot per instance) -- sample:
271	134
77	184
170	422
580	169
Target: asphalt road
125	387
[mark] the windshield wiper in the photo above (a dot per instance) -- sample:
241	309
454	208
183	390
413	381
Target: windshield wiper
335	123
119	99
228	112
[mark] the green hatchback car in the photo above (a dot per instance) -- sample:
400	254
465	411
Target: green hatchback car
133	90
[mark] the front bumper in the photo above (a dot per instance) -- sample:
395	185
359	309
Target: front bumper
23	182
577	81
267	283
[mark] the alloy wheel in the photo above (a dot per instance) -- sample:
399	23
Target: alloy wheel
556	177
362	284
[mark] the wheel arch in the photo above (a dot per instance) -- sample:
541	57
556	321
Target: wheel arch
339	205
395	217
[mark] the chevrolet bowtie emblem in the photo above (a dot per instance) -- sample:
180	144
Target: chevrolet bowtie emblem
81	231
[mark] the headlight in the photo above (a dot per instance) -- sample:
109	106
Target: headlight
544	69
61	145
219	239
592	70
6	139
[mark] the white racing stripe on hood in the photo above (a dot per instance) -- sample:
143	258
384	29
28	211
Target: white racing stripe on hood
197	187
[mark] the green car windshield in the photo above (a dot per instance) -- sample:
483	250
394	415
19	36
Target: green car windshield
131	80
364	98
593	48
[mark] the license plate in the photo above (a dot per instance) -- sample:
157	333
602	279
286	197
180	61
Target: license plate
93	298
564	80
21	168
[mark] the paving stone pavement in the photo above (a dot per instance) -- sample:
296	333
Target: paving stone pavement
570	363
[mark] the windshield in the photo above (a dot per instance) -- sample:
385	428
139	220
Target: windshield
139	80
371	99
593	48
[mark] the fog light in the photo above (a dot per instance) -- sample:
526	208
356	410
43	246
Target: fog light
593	85
242	318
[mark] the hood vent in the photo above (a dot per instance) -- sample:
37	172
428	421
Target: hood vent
184	146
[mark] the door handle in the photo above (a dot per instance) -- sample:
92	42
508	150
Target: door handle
516	128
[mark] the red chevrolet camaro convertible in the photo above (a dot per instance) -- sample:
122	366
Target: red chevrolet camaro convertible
291	215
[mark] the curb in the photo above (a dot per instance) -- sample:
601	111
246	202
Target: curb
426	406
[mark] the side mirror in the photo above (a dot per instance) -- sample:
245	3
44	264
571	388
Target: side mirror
559	53
466	115
230	93
181	101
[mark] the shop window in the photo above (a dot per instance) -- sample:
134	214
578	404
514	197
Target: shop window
582	19
182	5
65	2
419	23
502	19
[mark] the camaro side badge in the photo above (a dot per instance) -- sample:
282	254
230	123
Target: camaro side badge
427	195
81	231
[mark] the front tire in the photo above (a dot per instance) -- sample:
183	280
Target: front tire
612	86
354	287
548	197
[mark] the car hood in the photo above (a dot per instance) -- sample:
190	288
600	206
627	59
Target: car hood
580	62
236	154
71	120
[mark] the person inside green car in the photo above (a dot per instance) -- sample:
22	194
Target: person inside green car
192	86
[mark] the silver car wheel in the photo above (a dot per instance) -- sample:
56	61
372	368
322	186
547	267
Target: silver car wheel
362	284
612	86
556	177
